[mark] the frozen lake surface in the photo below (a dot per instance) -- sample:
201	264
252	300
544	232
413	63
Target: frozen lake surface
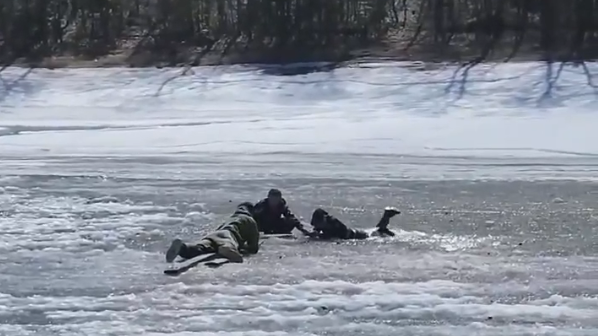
495	173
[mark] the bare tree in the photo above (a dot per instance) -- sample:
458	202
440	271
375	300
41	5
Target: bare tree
39	28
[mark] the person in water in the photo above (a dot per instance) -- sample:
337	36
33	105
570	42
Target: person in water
237	235
326	226
273	215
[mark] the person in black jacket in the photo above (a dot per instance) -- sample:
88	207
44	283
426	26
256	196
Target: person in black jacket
274	217
327	226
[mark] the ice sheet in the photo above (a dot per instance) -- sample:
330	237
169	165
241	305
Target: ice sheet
100	169
526	114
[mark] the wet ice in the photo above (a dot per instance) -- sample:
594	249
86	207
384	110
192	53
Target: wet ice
100	171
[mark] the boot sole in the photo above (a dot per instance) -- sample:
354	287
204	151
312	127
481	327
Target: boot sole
174	250
230	254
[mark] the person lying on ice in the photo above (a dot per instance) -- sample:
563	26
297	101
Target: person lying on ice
237	235
327	226
274	217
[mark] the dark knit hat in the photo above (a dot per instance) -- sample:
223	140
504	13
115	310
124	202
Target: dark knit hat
274	193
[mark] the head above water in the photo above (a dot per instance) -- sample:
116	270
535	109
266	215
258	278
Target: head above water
318	218
274	197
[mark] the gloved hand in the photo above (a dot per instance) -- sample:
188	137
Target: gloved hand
312	234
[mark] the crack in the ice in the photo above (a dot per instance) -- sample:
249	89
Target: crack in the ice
545	150
9	130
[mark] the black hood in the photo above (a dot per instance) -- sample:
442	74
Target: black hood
245	208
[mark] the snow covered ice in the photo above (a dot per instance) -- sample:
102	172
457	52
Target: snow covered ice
495	174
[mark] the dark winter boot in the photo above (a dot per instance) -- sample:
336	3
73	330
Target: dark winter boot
175	249
390	212
382	226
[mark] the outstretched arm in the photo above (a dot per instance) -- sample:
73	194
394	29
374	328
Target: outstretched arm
315	233
296	222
